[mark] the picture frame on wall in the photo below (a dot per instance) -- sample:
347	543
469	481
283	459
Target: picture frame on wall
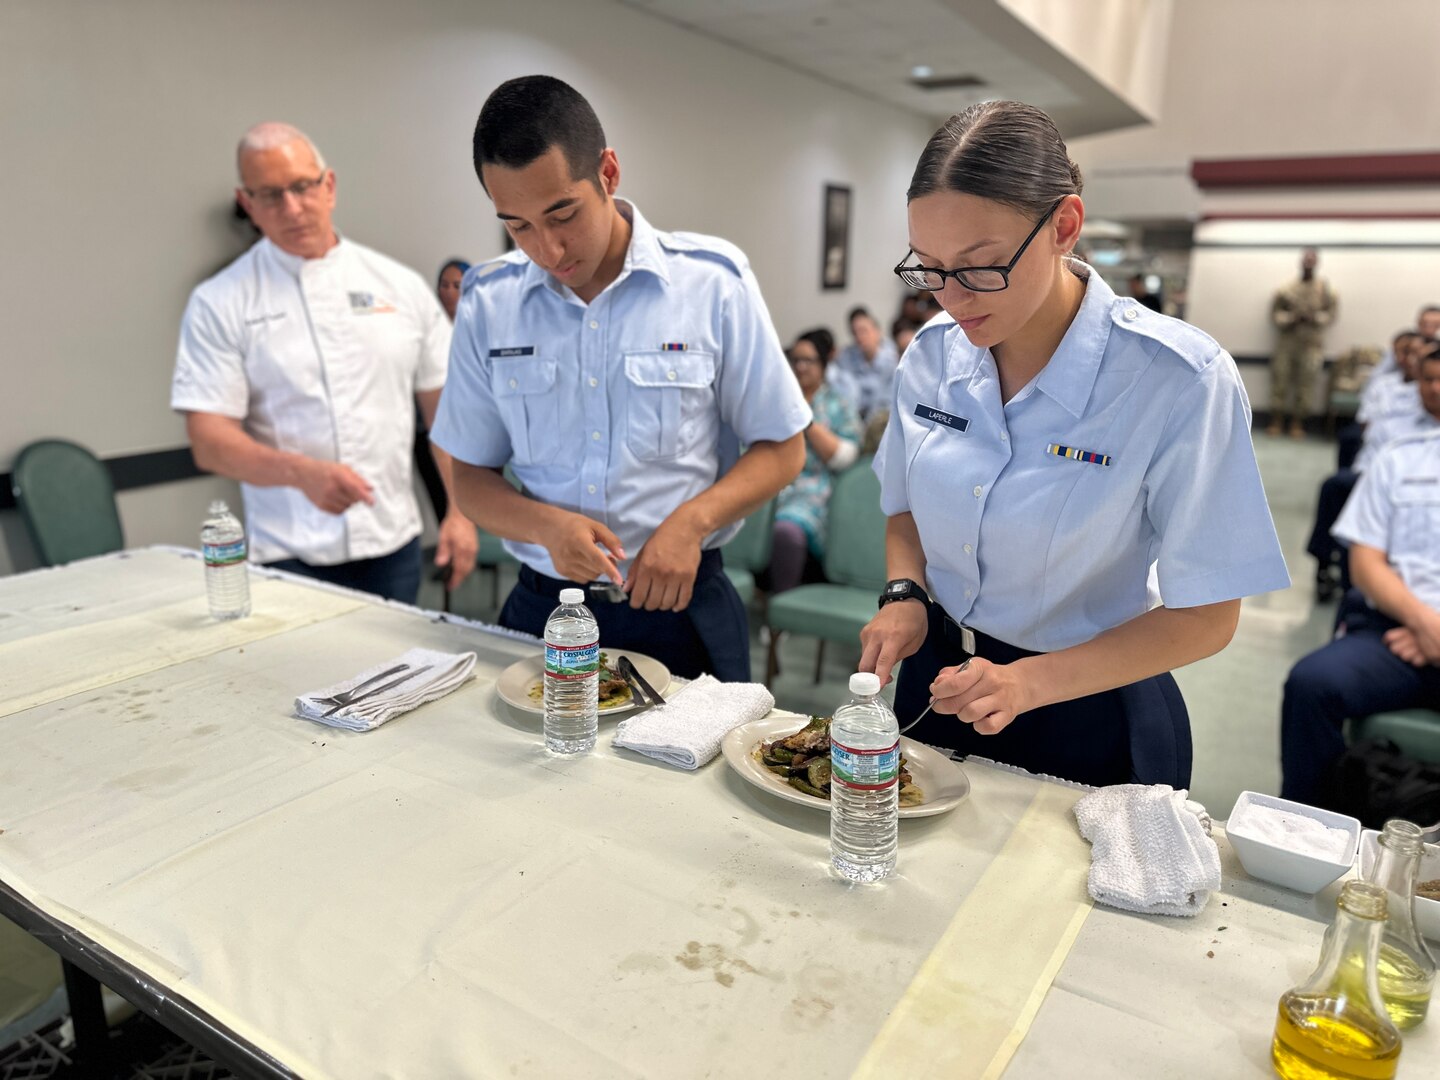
835	238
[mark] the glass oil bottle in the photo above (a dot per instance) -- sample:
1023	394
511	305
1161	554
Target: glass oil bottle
1334	1025
1407	970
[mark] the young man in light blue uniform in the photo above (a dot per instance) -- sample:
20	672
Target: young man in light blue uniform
615	368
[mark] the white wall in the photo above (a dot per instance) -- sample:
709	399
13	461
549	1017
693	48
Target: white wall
121	118
1237	266
1267	78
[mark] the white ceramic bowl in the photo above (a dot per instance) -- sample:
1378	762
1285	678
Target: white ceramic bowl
1427	912
1282	866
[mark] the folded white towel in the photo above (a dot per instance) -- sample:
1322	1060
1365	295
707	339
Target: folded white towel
686	730
1149	849
425	676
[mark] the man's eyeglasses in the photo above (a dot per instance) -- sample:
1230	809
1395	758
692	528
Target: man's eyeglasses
974	278
273	196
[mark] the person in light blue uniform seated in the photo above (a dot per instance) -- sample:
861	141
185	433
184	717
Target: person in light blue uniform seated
617	369
864	372
1393	413
1389	654
1073	501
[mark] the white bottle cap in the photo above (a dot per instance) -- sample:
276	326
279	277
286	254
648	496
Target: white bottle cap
572	596
865	682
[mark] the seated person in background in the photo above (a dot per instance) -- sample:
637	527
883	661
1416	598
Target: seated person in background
919	307
864	372
299	368
1388	654
832	444
824	343
1396	412
1427	324
902	330
447	285
1144	295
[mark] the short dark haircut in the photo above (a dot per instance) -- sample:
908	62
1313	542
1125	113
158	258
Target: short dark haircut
823	340
1006	151
1428	309
523	118
856	312
1432	352
902	324
1404	335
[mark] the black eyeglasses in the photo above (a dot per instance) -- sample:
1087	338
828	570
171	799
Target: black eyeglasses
274	196
974	278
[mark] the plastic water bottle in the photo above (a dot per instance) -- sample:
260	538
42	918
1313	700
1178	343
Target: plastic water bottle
864	783
227	582
572	676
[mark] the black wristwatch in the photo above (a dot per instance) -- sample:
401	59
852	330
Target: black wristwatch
904	589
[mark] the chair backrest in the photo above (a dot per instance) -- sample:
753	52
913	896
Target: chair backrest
855	533
66	497
749	549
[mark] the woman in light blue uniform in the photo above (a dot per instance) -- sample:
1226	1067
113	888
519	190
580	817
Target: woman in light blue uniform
1074	506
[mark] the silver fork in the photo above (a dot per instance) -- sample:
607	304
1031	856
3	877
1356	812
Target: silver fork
377	690
926	713
347	696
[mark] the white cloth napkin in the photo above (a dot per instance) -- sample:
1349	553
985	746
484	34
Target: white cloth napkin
687	730
447	672
1150	851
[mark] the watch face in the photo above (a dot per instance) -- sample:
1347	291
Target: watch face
898	587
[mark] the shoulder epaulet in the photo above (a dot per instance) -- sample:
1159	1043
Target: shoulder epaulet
510	261
1188	343
709	247
1407	440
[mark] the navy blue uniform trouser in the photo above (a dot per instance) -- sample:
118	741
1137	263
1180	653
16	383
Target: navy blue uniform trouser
1348	442
1334	492
395	576
712	635
1134	734
1352	677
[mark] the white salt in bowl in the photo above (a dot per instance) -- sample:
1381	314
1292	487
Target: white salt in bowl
1427	912
1282	863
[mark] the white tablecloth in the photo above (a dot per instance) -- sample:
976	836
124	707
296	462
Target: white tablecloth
441	898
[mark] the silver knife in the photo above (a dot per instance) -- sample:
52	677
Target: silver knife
628	670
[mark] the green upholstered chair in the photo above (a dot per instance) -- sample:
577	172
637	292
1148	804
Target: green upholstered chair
854	566
1415	731
748	551
66	497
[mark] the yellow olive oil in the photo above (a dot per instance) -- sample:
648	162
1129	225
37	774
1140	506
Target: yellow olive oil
1318	1039
1405	987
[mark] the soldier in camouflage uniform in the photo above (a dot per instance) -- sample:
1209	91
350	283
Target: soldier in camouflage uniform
1300	311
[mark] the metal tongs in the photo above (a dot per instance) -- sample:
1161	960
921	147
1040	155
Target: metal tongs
643	692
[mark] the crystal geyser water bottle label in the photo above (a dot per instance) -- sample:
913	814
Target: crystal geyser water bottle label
571	662
865	770
224	554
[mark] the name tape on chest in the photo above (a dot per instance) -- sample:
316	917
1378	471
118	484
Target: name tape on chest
366	303
950	420
1078	455
514	350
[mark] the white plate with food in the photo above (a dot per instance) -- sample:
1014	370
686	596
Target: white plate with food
522	684
935	783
